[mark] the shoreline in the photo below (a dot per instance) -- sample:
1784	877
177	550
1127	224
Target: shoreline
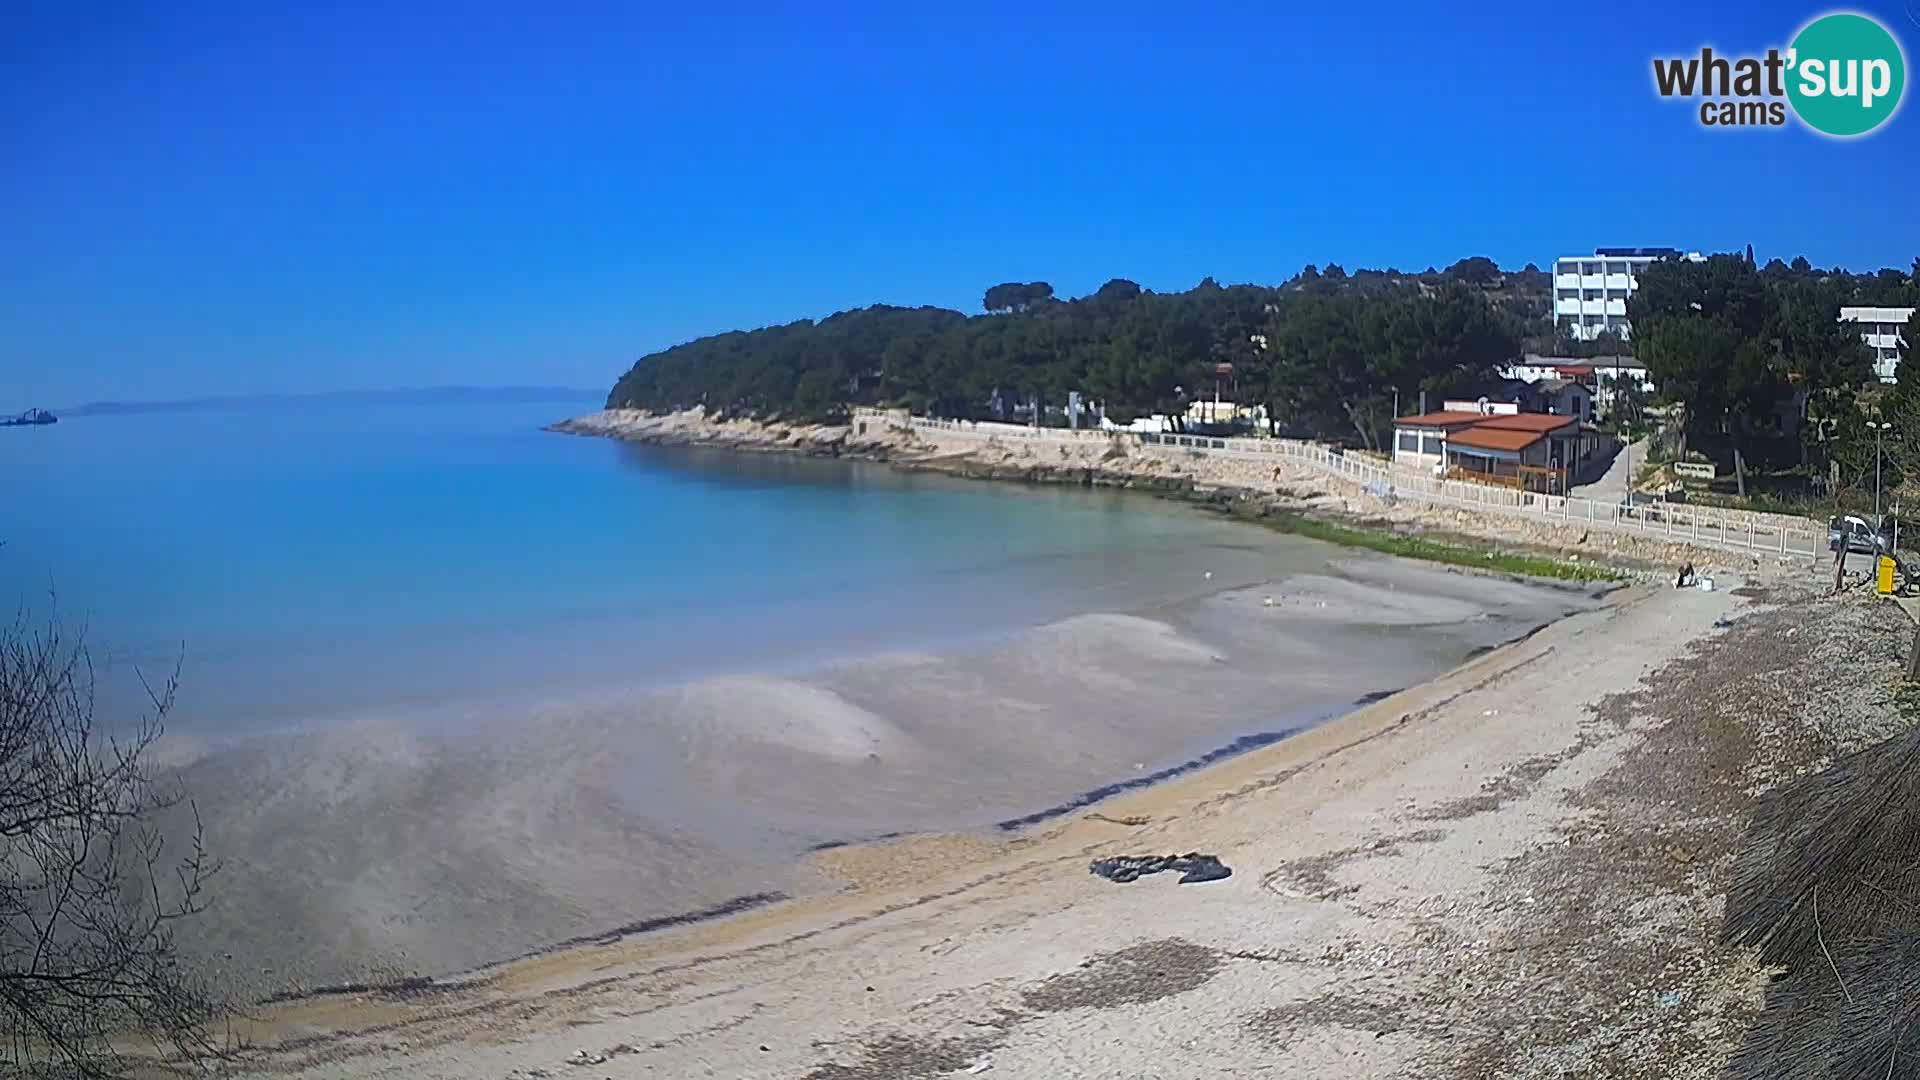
1083	803
1022	824
872	887
845	861
377	857
898	450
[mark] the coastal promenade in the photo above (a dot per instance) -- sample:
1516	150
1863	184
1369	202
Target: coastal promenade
1742	531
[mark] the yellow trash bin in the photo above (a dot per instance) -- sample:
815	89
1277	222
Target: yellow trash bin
1886	576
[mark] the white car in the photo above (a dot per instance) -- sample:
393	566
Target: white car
1858	535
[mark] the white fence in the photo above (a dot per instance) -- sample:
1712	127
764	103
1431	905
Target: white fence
1736	530
991	430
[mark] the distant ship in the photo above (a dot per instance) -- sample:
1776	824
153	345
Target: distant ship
31	416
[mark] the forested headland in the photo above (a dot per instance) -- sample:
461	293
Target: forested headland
1326	352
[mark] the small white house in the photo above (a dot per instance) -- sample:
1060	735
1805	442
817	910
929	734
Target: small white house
1564	397
1597	370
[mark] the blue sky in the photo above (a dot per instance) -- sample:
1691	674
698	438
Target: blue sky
251	200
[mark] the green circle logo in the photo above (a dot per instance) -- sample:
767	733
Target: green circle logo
1845	74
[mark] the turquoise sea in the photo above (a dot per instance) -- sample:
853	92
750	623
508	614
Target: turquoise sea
311	561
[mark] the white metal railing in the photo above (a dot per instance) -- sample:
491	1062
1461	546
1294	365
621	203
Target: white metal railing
1737	530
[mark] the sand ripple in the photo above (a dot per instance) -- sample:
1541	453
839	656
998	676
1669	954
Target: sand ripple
784	713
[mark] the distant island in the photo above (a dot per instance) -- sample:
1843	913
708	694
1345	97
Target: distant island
30	418
430	395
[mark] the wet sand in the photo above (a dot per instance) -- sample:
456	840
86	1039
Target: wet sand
383	851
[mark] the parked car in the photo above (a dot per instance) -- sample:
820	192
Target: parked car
1859	535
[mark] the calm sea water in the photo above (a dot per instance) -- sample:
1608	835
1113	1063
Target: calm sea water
309	562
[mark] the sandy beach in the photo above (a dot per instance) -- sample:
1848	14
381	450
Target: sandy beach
1515	869
395	847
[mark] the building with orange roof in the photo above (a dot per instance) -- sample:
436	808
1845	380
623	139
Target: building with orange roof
1493	442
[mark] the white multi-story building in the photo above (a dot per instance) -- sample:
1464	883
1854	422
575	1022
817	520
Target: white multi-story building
1880	328
1590	291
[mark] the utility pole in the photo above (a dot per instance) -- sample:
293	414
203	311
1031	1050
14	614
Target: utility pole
1627	500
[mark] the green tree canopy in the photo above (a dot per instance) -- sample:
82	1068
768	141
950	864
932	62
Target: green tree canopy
1738	345
1325	351
1015	296
1475	270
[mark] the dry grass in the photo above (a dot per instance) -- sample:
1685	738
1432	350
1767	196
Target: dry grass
1833	857
1856	1014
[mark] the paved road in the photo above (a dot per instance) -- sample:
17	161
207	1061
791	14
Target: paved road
1612	486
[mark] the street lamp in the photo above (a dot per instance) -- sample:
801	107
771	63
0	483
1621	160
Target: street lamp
1880	428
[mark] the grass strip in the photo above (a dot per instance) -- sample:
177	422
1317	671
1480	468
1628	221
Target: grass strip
1417	547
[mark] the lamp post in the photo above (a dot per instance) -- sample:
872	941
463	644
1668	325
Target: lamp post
1880	428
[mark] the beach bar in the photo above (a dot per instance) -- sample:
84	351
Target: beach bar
1494	444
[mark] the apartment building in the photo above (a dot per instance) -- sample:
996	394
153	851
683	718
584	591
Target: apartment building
1881	328
1590	291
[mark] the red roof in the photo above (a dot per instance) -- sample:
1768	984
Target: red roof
1527	421
1484	438
1568	371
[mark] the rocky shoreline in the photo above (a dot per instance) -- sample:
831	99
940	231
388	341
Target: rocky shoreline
901	449
692	428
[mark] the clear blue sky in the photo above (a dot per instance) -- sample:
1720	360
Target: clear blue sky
254	200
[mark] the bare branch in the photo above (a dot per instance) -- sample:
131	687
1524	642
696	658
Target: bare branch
89	888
